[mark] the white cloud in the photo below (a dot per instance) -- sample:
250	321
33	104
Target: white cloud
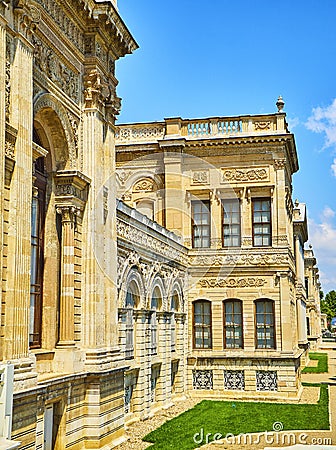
333	167
328	213
323	120
323	238
292	122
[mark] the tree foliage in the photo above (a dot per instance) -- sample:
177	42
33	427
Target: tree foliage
328	305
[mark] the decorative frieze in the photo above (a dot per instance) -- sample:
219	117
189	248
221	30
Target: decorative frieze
234	380
200	177
145	133
58	72
65	23
241	259
266	380
243	175
202	379
231	282
132	234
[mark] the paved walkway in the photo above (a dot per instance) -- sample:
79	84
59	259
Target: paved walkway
255	441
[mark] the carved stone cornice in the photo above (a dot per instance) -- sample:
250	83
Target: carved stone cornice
249	282
71	189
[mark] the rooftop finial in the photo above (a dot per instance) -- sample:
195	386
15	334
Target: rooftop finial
280	104
296	203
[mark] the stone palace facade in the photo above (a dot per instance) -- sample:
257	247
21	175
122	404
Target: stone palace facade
139	263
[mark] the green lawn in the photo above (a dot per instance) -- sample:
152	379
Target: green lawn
237	417
322	365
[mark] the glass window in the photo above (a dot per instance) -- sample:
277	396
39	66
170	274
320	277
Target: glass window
132	298
174	306
264	319
231	223
37	255
233	324
262	232
155	303
200	211
202	324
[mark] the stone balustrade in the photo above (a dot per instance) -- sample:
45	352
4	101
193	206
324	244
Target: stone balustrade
202	128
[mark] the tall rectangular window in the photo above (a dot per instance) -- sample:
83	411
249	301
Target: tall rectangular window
264	318
231	223
233	324
202	324
200	211
262	231
37	257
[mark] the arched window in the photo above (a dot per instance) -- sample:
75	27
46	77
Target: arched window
132	299
233	323
202	336
156	301
37	253
264	321
174	308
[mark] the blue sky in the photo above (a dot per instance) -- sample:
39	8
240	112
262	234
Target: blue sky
222	58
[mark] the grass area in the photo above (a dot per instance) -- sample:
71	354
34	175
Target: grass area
237	417
322	365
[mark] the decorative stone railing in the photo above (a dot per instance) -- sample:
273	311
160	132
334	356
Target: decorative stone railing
202	128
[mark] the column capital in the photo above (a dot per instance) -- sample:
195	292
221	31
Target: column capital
68	213
71	190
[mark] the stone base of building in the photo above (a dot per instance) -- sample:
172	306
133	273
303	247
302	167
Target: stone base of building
72	411
245	379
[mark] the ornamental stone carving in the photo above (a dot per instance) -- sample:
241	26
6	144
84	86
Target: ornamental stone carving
279	164
145	133
97	91
123	175
200	177
9	57
71	189
231	282
241	260
243	175
144	185
262	125
50	65
65	23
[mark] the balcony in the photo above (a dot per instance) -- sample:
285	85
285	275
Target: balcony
214	127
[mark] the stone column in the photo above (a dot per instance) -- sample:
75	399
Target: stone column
2	145
140	396
19	235
66	323
174	188
215	220
181	343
